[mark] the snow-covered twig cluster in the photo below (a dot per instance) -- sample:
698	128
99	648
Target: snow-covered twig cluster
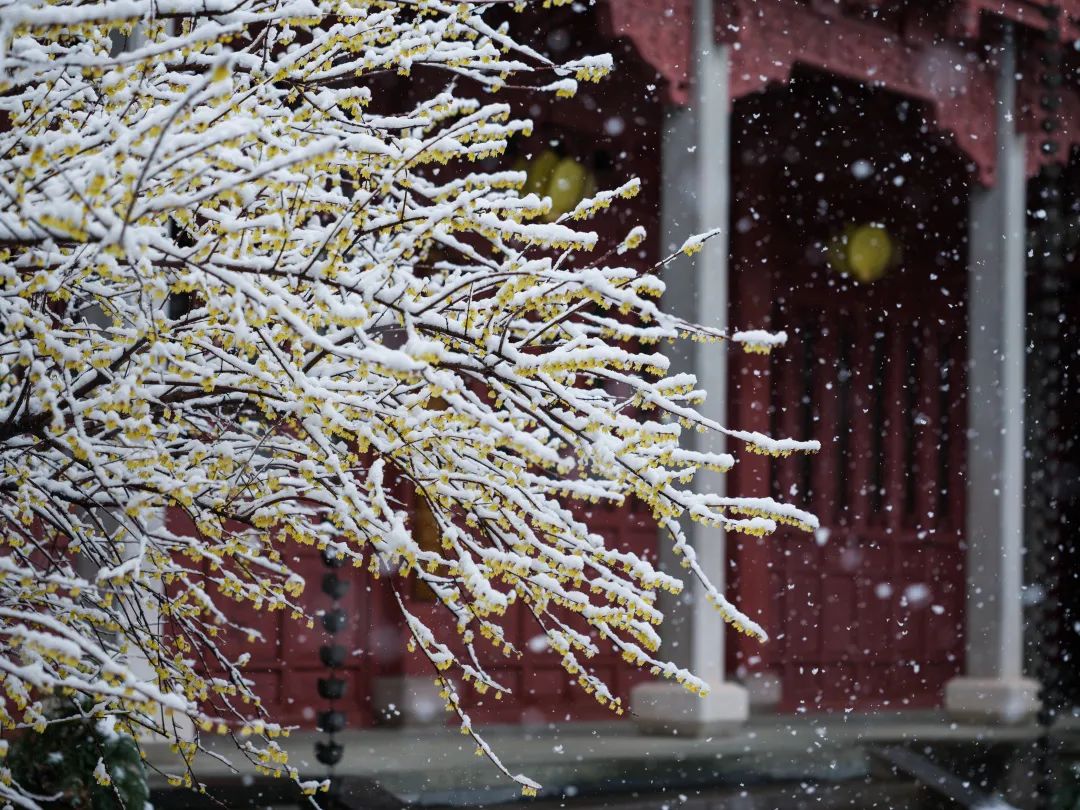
252	276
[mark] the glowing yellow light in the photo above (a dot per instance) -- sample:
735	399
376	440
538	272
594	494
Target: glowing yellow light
865	252
540	170
567	187
564	180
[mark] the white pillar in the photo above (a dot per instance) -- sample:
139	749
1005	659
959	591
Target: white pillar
993	687
695	162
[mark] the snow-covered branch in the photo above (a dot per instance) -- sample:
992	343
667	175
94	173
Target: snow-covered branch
239	307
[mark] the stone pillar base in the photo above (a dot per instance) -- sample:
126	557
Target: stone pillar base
407	700
992	700
662	707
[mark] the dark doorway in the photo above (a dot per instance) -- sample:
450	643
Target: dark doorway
869	611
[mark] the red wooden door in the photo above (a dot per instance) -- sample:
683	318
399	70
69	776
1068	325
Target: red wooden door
284	663
869	611
540	689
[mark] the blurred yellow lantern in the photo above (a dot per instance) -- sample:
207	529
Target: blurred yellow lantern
540	169
566	188
865	252
566	181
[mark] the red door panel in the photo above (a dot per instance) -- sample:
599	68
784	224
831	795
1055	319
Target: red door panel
870	611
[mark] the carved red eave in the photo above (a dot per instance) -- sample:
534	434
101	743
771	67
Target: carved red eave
770	37
1028	14
936	59
661	31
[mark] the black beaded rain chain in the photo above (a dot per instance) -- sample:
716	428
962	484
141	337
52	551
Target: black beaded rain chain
1045	494
332	688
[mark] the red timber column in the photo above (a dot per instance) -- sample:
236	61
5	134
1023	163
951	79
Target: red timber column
756	564
696	180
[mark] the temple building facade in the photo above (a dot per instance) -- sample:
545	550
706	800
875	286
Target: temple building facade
875	168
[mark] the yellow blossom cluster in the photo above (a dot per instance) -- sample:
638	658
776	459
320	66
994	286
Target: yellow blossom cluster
262	266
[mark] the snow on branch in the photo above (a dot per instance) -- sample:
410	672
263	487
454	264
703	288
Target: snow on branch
253	281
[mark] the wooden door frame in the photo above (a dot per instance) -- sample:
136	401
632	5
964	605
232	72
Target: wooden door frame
757	225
